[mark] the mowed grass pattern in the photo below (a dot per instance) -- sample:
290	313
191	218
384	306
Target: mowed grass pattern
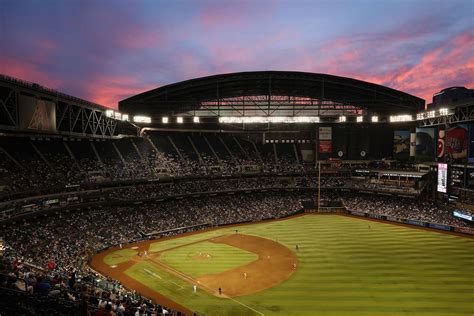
347	266
221	258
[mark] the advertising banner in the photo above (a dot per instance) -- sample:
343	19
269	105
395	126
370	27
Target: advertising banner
442	177
439	226
395	219
415	222
425	144
401	145
325	139
36	114
462	215
412	144
357	213
471	143
376	216
456	143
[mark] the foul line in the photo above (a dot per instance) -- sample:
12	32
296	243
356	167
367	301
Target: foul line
184	276
158	276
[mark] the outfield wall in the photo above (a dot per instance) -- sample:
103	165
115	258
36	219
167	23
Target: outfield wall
464	230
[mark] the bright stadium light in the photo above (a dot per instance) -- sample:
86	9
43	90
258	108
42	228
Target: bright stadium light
179	120
268	119
375	119
400	118
443	111
342	119
142	119
109	113
420	116
125	117
196	119
117	115
359	119
164	120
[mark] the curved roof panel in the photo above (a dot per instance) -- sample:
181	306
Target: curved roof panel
189	95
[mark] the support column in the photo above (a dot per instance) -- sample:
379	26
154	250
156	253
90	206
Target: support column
119	154
96	153
296	153
176	149
212	149
71	154
195	150
256	150
40	154
138	151
11	158
275	153
227	149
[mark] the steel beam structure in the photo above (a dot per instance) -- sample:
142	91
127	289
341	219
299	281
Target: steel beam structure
74	117
274	105
271	93
459	115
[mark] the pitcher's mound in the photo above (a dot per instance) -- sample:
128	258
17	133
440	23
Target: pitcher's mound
202	256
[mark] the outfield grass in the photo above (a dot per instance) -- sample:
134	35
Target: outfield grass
344	268
221	258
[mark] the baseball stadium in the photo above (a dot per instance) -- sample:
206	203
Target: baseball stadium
247	192
254	193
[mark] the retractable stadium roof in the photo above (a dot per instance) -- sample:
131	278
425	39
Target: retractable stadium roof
268	92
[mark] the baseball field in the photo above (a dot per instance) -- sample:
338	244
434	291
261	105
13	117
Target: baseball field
305	265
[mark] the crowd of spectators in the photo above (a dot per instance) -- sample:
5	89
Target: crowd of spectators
402	208
28	166
52	292
67	241
158	189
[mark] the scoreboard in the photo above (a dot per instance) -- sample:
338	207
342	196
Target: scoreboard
443	177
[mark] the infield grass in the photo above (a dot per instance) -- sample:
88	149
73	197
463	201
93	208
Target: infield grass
346	266
221	258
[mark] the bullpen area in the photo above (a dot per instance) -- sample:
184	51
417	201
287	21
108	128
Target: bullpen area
306	265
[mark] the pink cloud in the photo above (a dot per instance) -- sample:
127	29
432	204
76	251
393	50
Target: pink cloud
27	71
446	64
108	90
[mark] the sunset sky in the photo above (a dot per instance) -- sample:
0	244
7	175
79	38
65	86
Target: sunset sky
107	50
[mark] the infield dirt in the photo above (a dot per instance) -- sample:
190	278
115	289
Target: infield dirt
275	264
